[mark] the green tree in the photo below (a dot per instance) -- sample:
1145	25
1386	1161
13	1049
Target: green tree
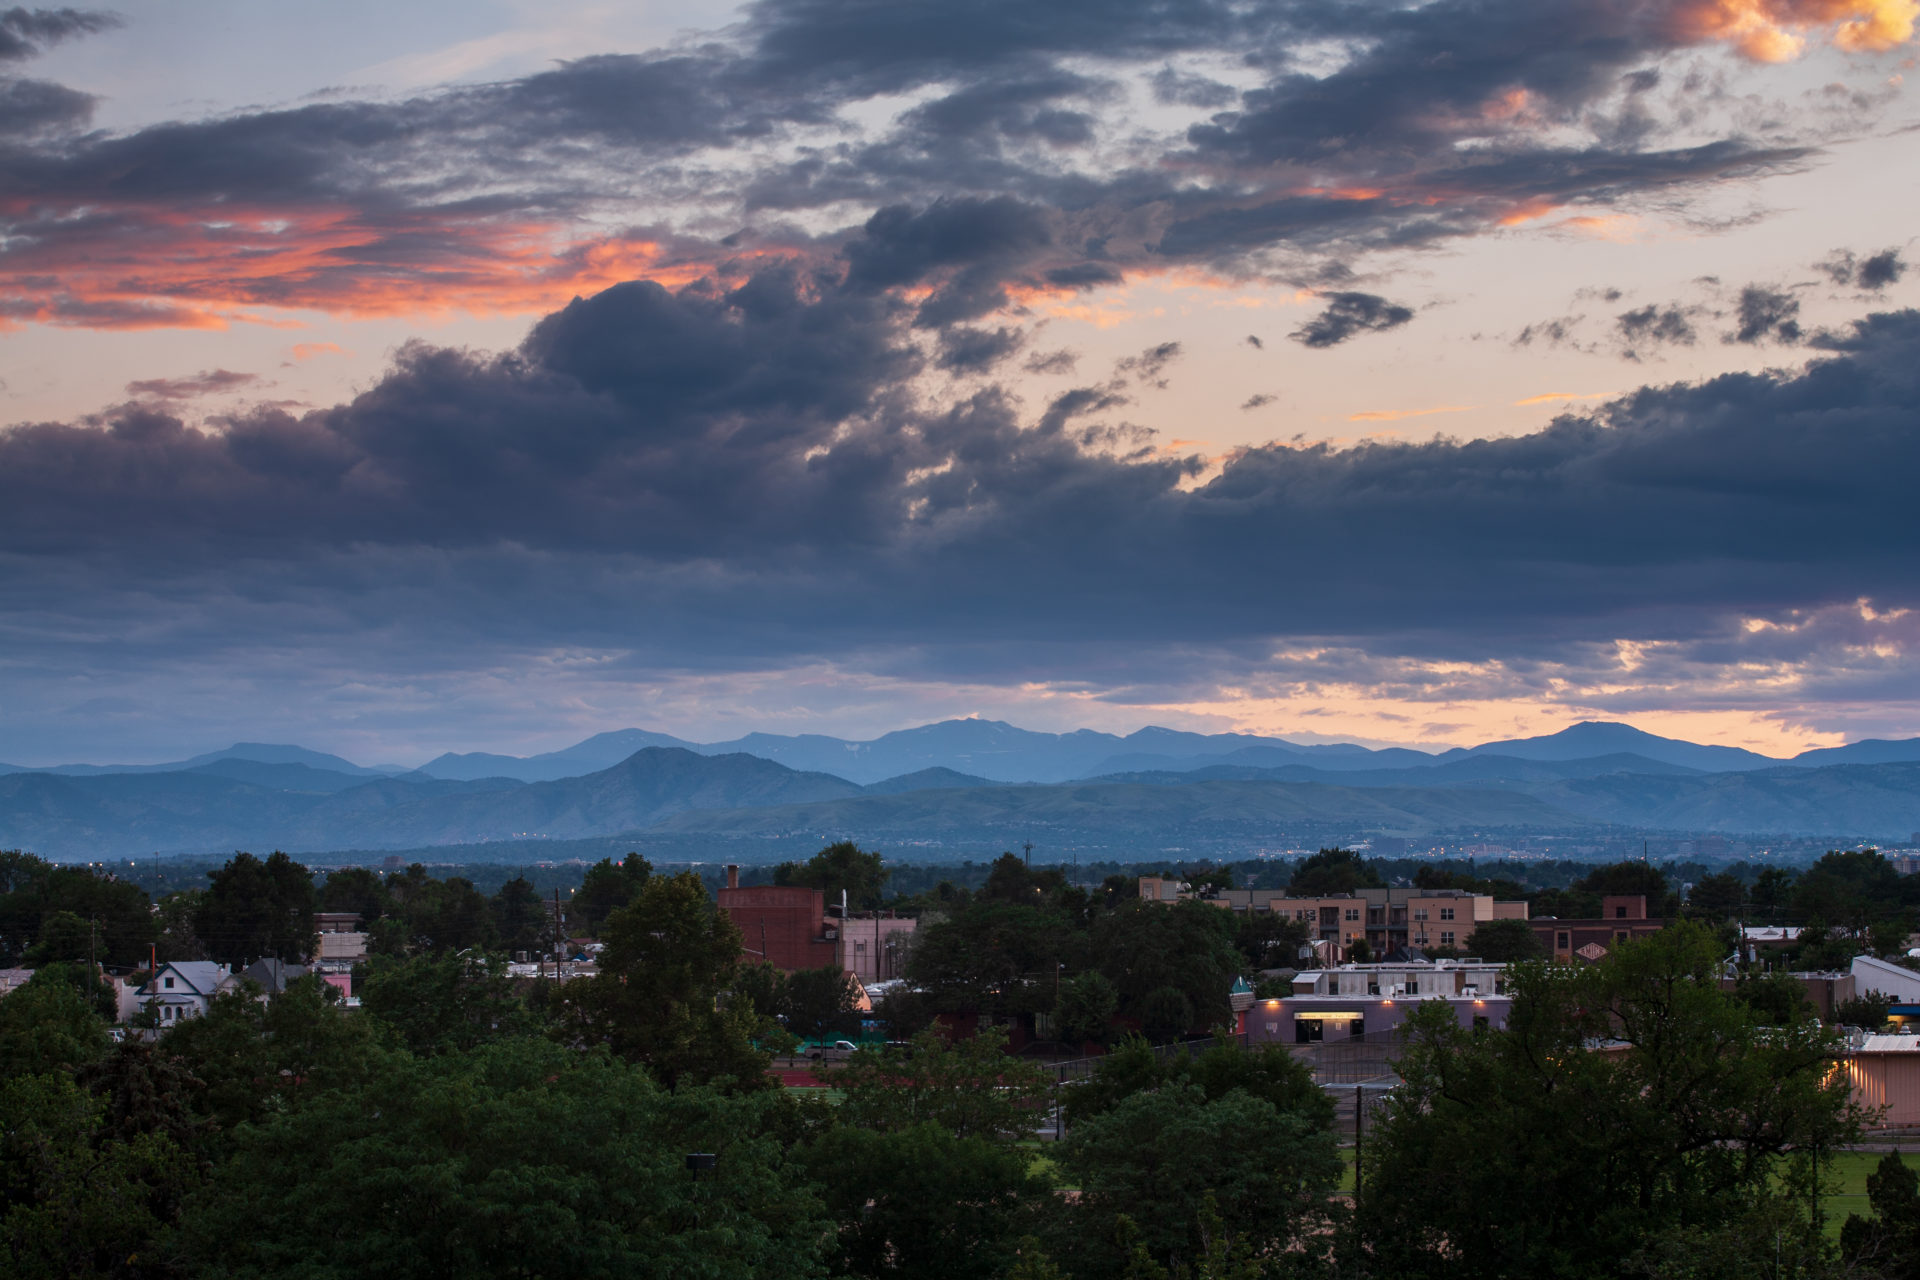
520	918
1775	999
1689	1125
75	1202
607	887
1270	939
1772	892
522	1157
1717	897
64	936
656	999
1173	964
994	957
356	889
1269	1073
1888	1243
1158	1155
116	922
1852	890
444	1003
254	910
1504	941
174	916
1867	1010
969	1087
48	1025
841	866
821	1003
1332	871
922	1203
257	1058
1084	1011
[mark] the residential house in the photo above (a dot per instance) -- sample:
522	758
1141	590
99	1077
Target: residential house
183	989
273	974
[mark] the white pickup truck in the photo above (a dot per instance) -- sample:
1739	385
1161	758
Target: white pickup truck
838	1051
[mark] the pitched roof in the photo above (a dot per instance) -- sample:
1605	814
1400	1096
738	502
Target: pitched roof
203	977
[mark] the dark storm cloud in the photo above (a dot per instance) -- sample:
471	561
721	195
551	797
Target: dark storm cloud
1347	314
1764	313
1445	120
714	451
965	350
25	32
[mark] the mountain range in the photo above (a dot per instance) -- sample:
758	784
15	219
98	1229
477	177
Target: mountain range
1173	790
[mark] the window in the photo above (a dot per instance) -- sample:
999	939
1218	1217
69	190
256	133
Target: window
1446	913
1563	941
1419	913
168	983
1353	913
1446	938
1621	936
1619	913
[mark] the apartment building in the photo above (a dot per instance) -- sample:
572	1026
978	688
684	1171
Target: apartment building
1388	919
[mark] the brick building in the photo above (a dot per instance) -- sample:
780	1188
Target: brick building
1622	917
783	924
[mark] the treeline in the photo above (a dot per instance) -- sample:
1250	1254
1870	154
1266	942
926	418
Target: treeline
461	1123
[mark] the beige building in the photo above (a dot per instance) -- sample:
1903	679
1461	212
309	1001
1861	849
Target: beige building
1387	918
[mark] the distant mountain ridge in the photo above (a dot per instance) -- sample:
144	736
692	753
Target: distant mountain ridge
262	796
995	751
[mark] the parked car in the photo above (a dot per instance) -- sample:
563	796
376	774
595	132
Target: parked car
838	1051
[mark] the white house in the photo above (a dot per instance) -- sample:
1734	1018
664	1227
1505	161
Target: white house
184	988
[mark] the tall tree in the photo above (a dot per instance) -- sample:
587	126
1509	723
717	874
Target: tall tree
840	866
1524	1152
923	1204
607	887
520	919
969	1087
520	1158
356	889
1157	1158
1332	871
254	910
657	997
1504	941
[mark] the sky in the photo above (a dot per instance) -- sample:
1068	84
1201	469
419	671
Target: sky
480	376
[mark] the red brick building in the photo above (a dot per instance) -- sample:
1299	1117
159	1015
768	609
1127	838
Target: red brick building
1622	917
784	925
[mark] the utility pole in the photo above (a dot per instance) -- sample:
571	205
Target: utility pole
1028	848
558	946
